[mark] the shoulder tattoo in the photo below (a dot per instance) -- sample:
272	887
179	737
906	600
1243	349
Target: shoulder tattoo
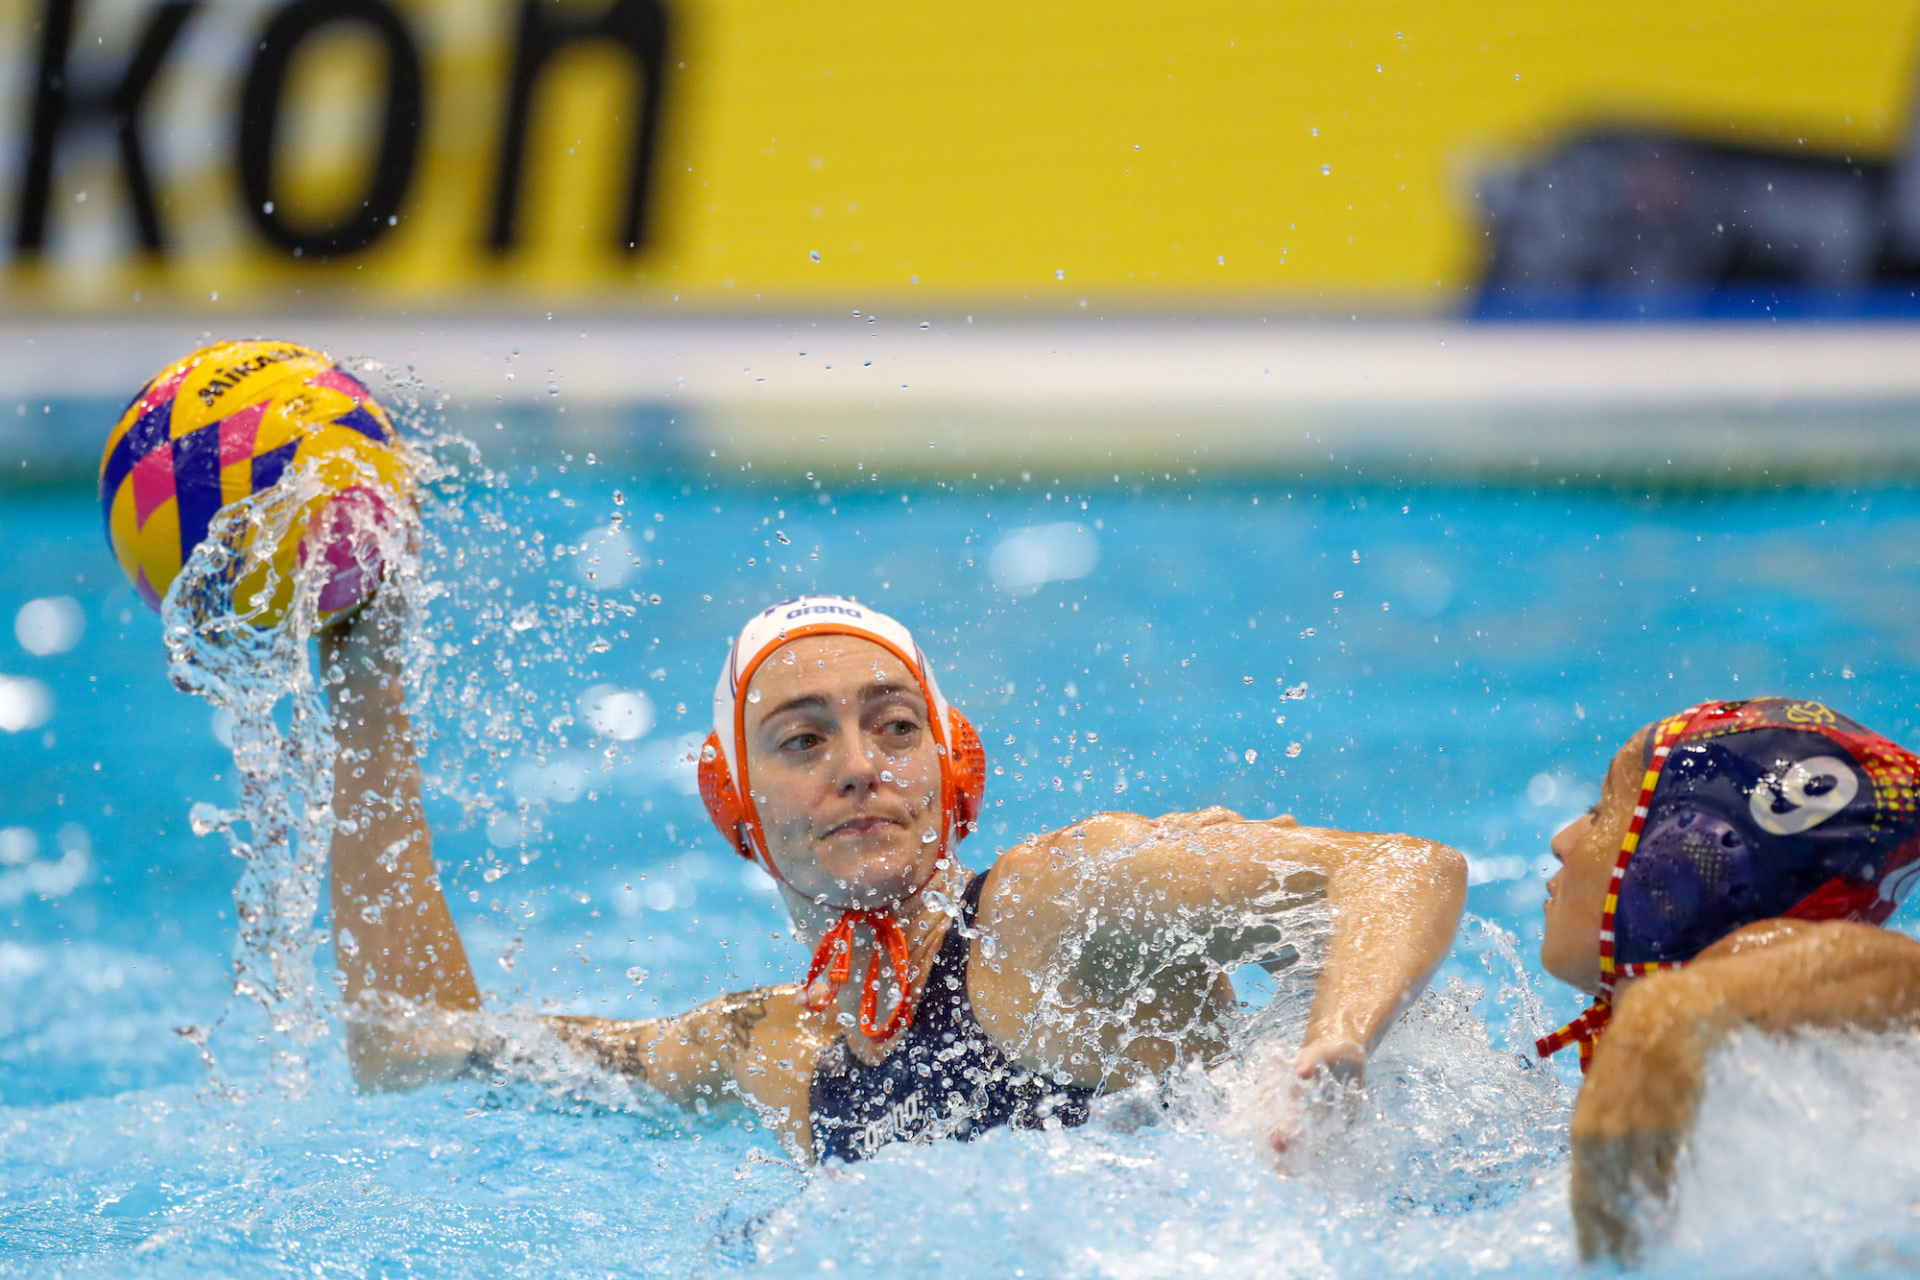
736	1016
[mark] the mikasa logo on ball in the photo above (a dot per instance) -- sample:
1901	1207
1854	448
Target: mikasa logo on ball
229	378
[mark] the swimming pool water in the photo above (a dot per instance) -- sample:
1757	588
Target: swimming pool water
1463	662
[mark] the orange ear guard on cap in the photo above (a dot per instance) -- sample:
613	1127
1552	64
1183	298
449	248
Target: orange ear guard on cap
967	772
963	777
717	792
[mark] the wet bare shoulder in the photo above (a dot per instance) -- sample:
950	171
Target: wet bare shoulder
1062	855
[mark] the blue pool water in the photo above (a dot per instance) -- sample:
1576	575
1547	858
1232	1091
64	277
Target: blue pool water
1471	658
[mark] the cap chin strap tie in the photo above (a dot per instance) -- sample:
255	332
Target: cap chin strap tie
835	957
1584	1031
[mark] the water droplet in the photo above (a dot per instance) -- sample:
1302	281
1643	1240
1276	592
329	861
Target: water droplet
619	498
1298	691
1246	679
1060	275
1339	595
637	975
205	819
815	255
1293	750
1304	634
1326	169
707	753
753	695
1356	557
1252	755
929	836
886	775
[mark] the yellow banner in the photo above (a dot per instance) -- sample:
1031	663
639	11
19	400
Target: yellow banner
400	154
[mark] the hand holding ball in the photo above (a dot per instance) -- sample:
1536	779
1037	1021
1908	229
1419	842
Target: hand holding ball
234	420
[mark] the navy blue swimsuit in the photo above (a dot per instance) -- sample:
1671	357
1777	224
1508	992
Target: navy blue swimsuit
946	1078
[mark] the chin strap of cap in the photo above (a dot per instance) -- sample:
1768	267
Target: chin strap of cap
1584	1031
835	957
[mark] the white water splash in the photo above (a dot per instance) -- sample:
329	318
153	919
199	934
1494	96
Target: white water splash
282	821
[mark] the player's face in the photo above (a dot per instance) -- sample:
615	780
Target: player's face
1587	849
844	772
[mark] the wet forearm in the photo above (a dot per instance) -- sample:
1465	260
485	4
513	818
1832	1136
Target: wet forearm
694	1056
394	934
1396	905
630	1048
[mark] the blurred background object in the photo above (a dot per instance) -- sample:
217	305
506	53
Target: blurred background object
929	238
1413	159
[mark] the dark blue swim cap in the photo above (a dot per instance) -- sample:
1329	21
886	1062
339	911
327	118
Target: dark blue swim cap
1765	808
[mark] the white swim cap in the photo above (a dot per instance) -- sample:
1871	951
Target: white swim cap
723	781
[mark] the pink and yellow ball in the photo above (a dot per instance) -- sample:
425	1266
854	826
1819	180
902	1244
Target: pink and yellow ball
228	422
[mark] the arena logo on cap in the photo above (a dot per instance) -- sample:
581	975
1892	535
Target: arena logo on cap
841	610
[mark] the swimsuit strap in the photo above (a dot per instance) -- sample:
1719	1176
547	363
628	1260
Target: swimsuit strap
970	898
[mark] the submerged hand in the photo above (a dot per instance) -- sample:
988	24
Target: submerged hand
1326	1082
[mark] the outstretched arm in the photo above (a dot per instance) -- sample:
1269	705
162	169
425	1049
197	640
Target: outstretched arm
1143	884
1639	1101
394	938
401	959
